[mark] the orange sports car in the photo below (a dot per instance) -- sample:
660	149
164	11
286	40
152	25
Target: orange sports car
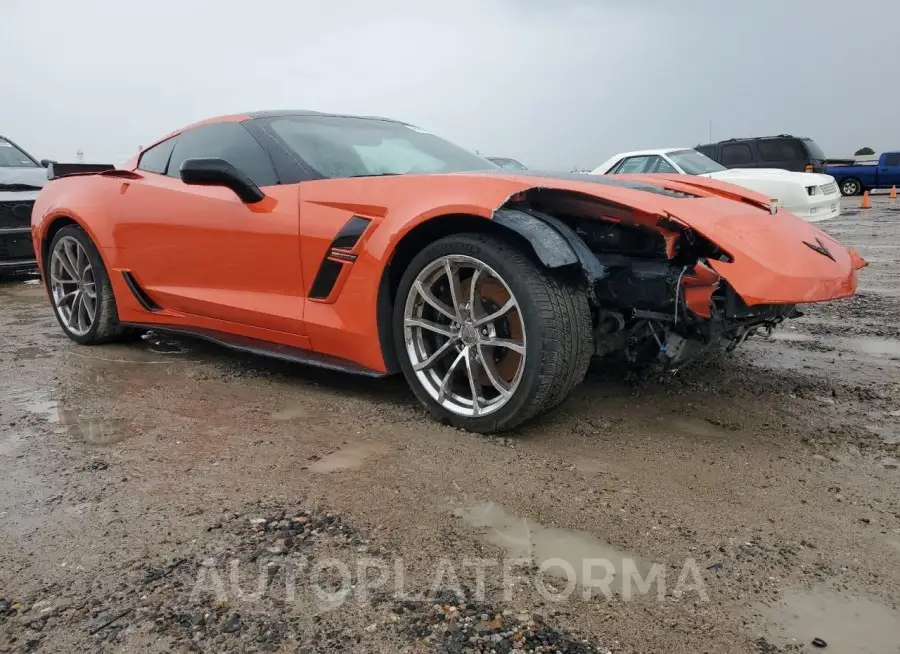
372	246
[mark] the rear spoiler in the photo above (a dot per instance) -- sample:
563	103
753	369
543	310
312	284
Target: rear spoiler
57	170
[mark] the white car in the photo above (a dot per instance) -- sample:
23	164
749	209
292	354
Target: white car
811	196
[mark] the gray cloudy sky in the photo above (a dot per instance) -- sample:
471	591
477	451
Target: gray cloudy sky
555	83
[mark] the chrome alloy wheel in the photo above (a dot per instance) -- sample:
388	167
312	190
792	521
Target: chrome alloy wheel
464	335
72	286
850	187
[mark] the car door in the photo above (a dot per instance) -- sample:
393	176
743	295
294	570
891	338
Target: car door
889	170
200	250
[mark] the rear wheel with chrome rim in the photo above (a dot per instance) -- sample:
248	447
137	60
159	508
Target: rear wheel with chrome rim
79	288
486	337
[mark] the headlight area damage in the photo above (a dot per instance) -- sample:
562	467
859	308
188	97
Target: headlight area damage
663	288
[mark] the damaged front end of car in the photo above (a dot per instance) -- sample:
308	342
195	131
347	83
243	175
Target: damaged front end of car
655	286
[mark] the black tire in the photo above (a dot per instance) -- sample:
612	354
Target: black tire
851	186
106	327
556	319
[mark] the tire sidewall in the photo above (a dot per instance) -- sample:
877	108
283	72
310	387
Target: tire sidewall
853	181
529	383
101	280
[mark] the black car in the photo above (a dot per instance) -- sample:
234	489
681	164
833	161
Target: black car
784	151
21	178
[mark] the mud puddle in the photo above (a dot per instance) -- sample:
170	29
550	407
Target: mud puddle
349	458
875	346
9	442
872	346
90	430
567	555
293	413
698	427
845	623
879	290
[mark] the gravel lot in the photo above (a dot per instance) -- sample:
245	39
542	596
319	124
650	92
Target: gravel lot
168	495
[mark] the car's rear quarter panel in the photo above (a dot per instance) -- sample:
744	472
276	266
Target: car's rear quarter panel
84	199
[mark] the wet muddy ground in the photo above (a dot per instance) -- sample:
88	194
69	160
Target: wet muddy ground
168	495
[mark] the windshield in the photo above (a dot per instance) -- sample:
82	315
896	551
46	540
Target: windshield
508	164
13	157
694	163
336	146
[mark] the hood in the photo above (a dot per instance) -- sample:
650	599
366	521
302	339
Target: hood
36	177
777	258
773	174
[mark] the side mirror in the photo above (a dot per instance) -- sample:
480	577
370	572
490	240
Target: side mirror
218	172
46	162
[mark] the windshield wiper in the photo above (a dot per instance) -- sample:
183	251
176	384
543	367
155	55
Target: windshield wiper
376	175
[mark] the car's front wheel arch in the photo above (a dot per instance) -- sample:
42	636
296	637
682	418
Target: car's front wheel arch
56	224
411	244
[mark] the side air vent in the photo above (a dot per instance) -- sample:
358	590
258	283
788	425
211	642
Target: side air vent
338	254
350	233
139	294
325	279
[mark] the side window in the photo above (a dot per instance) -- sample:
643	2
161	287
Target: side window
892	160
707	150
769	150
794	150
663	166
736	154
633	165
228	141
156	158
615	167
781	150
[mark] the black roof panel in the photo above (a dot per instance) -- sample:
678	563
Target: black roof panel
305	112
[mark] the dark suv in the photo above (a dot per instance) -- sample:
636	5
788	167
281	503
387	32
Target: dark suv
784	151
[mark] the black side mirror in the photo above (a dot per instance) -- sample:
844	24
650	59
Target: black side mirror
46	162
218	172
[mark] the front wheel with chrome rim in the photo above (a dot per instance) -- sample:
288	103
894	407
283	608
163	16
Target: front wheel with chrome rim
486	337
79	288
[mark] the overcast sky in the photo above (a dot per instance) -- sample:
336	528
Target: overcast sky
554	83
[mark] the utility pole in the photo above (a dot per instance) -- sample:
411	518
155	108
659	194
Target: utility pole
79	155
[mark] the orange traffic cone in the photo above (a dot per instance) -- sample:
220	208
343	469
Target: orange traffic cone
894	192
866	203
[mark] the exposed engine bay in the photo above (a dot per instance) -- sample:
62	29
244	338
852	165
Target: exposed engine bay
656	299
